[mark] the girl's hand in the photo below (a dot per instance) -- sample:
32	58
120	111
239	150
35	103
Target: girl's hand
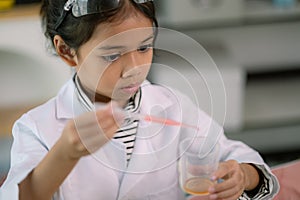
90	131
237	178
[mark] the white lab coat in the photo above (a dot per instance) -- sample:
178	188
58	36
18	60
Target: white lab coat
153	170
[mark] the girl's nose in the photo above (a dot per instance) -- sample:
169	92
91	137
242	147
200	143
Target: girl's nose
131	65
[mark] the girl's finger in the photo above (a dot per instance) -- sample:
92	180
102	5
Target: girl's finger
220	187
228	192
92	142
100	139
97	129
222	172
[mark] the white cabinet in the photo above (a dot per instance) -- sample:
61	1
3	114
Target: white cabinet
185	13
181	14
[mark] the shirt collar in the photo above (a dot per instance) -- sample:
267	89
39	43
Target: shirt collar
133	104
84	100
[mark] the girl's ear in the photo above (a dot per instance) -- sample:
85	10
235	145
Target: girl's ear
66	53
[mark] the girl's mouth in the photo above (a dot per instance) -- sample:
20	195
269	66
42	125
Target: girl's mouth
130	89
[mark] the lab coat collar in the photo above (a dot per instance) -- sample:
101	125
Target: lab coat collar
67	103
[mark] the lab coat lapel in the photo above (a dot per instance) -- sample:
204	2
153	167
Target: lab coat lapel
144	158
113	155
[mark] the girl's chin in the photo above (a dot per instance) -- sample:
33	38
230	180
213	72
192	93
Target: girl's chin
121	95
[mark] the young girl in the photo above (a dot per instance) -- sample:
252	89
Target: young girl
67	149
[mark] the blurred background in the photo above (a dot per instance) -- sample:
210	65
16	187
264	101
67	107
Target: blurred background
254	43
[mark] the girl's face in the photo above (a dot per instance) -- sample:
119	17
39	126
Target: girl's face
116	60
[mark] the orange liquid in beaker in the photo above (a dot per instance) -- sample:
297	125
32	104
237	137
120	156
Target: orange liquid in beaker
197	186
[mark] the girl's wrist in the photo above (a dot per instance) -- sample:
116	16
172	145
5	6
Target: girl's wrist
251	176
66	151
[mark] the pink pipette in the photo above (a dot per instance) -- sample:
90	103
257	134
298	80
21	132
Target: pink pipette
164	121
148	118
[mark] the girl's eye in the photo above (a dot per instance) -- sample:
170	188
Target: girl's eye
111	58
145	48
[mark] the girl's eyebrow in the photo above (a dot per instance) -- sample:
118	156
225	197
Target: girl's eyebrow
124	47
111	47
149	38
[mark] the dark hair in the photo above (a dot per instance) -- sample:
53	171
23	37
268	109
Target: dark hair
77	31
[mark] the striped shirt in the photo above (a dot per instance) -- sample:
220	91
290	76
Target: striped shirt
127	133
